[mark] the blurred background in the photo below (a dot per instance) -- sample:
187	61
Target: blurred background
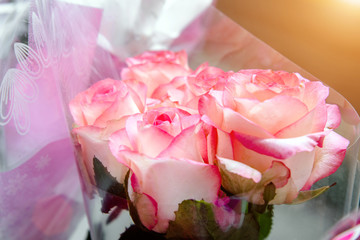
321	36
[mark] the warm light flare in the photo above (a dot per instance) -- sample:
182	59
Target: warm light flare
356	2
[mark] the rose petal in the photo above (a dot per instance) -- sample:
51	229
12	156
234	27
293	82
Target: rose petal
249	157
118	142
93	144
333	116
285	194
189	144
148	139
328	158
227	119
224	147
239	169
280	148
154	75
242	180
315	93
170	181
300	166
138	92
146	207
89	113
87	106
122	106
276	113
313	121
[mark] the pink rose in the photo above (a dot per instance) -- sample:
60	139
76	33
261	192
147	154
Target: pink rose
185	91
107	100
155	68
166	150
94	142
98	112
273	127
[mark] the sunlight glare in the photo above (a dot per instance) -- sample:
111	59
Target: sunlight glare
355	2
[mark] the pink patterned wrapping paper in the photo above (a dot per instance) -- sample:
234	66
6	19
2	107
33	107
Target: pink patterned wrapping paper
40	193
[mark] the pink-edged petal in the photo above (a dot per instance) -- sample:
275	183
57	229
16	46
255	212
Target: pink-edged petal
151	141
118	142
333	116
278	174
249	157
113	126
211	141
313	121
285	194
138	92
281	148
244	181
224	145
238	170
77	113
189	144
92	112
233	121
190	120
141	136
172	90
227	119
170	181
244	105
93	144
300	166
87	106
146	207
154	75
211	111
122	106
277	113
315	93
328	158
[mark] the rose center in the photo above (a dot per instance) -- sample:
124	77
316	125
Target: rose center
106	90
160	119
264	83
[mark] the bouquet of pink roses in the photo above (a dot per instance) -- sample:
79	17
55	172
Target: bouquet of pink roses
204	153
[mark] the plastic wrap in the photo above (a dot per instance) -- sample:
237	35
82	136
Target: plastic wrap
69	45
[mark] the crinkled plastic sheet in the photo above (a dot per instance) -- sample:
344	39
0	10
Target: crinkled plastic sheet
40	196
65	46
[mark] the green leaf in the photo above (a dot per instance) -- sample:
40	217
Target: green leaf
112	192
265	222
105	181
307	195
197	220
192	221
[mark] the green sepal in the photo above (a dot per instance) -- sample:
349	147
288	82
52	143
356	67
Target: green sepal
304	196
196	220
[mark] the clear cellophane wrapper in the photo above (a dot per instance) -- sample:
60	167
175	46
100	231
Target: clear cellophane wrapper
73	44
